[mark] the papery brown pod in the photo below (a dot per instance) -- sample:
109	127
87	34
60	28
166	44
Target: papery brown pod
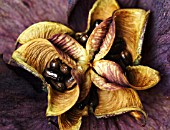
71	47
59	103
71	120
108	75
34	56
142	77
101	10
83	79
130	25
117	102
101	39
38	53
42	30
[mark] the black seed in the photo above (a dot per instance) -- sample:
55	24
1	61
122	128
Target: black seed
83	38
49	74
58	86
115	57
118	46
69	81
96	23
126	57
54	64
81	106
64	69
94	99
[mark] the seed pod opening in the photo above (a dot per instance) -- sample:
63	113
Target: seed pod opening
101	10
130	25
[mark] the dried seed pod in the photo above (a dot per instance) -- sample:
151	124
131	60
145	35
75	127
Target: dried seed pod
71	47
34	56
142	77
131	24
83	79
42	30
59	103
70	120
113	103
108	75
101	10
101	39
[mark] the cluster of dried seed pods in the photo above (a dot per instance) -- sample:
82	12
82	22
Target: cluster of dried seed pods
120	54
92	71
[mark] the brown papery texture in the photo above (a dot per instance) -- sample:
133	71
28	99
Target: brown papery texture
23	108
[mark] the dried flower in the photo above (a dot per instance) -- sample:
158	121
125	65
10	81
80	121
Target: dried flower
91	67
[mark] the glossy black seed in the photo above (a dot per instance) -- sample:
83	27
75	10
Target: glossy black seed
83	38
118	46
49	74
64	69
69	81
54	64
58	86
96	23
126	57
